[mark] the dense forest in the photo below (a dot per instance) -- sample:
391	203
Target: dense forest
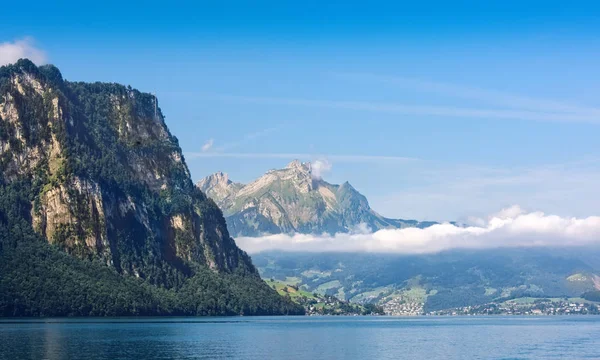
98	214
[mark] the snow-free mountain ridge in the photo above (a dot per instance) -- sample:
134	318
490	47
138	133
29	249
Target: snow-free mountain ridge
294	200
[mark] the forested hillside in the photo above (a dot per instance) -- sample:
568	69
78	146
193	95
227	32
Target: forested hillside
98	214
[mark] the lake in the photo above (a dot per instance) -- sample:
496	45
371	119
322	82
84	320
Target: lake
566	337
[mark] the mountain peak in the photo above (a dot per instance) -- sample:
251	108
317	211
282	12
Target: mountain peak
297	164
219	178
218	186
347	186
292	200
301	172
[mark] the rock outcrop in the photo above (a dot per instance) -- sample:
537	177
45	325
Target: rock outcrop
107	179
294	200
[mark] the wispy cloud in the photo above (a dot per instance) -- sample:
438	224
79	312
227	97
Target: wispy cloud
300	156
247	139
10	52
427	110
452	192
509	228
208	145
473	93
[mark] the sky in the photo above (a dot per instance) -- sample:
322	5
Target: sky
434	111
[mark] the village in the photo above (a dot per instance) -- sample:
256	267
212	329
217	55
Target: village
399	307
526	307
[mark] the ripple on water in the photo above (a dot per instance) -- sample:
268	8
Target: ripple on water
303	338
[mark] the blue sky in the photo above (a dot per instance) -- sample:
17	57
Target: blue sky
433	111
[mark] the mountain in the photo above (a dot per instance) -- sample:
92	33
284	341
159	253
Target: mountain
416	284
294	200
98	214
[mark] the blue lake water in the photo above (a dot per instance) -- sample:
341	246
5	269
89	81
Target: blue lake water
567	337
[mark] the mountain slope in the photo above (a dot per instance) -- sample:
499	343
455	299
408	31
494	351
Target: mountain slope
439	281
292	200
92	170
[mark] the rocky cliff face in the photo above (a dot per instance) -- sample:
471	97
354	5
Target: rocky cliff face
292	200
105	177
221	189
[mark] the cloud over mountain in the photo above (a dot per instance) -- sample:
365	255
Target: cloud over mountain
10	52
511	227
319	168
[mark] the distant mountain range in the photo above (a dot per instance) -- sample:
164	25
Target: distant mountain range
418	284
294	200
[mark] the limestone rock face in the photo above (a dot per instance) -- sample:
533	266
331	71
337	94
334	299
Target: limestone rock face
219	186
107	179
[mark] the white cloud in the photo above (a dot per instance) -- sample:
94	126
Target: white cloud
319	168
208	145
247	139
10	52
509	228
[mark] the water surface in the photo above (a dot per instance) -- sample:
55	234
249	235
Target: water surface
567	337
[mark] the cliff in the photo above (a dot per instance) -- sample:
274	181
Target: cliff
100	177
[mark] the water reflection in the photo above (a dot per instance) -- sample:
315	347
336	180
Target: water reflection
52	342
302	338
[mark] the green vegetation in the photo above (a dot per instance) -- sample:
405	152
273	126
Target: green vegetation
128	232
40	280
416	294
371	295
528	306
440	281
592	295
320	304
330	285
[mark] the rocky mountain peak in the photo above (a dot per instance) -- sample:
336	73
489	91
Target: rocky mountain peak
216	179
346	186
219	186
301	167
221	177
294	164
301	171
291	200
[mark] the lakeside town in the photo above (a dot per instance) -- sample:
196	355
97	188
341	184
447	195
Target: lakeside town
398	307
529	307
522	306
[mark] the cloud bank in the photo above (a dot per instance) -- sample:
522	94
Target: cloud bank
511	227
10	52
